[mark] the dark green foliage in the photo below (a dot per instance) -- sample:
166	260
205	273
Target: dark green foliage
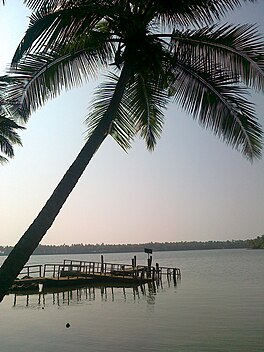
9	116
139	247
257	243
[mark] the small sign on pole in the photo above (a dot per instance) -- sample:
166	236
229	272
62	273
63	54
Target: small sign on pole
148	251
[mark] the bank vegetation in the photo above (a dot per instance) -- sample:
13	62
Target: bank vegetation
80	248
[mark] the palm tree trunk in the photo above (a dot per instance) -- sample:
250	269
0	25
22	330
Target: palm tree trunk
20	254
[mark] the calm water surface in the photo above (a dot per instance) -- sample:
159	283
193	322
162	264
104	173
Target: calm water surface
217	306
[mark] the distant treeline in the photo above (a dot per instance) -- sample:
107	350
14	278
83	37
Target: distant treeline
155	246
257	243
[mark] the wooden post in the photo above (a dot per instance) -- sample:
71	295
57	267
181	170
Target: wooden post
135	271
102	263
153	274
149	266
135	260
174	276
142	274
169	272
158	271
133	267
149	260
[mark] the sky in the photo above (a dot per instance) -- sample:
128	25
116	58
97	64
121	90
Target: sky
193	187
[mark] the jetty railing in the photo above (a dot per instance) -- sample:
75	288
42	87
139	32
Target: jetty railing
31	270
75	268
116	269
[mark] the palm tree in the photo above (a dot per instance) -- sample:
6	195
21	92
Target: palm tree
9	114
156	52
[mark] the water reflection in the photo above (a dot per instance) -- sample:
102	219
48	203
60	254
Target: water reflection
85	295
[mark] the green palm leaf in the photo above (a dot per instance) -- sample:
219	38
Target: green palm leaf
37	4
9	112
239	48
55	25
43	76
8	137
147	101
195	12
140	112
212	96
122	129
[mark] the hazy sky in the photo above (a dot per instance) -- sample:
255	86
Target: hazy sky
192	187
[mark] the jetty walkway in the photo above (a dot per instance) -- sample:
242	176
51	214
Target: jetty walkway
80	273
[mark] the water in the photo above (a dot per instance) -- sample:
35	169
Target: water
217	306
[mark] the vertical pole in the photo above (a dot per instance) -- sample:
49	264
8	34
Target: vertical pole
135	272
150	260
158	271
15	299
174	276
133	267
102	263
149	265
153	274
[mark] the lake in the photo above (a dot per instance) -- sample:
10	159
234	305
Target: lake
218	305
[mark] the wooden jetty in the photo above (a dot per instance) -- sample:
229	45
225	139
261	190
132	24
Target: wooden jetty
72	273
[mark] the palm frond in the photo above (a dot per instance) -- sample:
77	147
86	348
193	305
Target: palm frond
212	96
140	111
9	107
9	112
195	12
3	160
122	129
37	4
239	48
8	137
147	101
54	26
44	76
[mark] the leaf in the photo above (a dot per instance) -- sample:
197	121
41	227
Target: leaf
8	137
55	24
239	48
212	96
147	101
122	129
43	76
194	12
